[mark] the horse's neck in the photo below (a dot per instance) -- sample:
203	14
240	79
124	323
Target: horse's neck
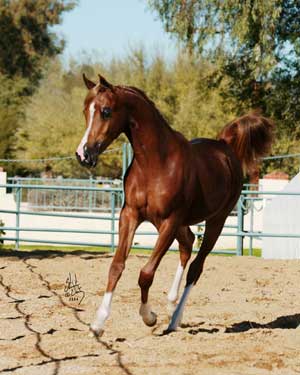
149	135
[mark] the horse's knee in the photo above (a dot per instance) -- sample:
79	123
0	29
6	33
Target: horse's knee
186	249
191	237
146	278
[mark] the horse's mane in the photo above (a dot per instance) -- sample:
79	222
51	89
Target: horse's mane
141	93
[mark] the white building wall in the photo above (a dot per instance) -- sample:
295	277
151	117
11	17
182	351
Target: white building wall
282	215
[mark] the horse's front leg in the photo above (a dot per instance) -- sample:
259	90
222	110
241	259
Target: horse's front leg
166	236
129	221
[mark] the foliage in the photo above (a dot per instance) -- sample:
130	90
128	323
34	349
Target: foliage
254	30
254	47
26	45
235	56
54	123
26	40
11	106
183	91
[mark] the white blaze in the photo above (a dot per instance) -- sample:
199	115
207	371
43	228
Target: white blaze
79	150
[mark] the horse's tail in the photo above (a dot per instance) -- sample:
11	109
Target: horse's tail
250	137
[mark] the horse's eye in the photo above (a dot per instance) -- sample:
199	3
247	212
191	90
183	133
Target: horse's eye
106	113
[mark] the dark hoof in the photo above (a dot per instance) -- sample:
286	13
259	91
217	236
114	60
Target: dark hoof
168	331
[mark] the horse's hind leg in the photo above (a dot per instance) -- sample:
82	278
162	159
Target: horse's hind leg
213	229
185	238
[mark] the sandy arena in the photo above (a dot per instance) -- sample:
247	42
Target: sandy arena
241	318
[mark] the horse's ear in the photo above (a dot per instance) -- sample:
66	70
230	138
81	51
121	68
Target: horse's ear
104	82
89	84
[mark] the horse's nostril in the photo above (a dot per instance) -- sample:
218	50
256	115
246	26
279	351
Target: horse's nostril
85	152
98	146
90	155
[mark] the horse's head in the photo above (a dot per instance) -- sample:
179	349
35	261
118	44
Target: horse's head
105	120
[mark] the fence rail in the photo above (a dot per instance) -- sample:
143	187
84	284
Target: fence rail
115	194
66	200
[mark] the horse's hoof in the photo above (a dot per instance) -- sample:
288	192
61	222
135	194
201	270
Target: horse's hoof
151	321
167	331
95	332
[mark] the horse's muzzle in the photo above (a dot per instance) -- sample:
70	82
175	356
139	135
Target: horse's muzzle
90	155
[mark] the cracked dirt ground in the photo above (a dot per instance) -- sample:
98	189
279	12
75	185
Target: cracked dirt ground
241	318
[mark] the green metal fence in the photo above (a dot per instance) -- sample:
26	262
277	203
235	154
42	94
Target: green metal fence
66	200
245	204
115	194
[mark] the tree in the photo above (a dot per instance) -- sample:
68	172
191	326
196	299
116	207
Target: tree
249	38
199	108
254	46
11	107
26	45
26	40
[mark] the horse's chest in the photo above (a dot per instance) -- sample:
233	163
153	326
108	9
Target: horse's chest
154	196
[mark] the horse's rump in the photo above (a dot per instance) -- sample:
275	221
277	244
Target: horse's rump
214	179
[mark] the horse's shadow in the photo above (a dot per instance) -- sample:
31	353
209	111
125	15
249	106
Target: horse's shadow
282	322
42	254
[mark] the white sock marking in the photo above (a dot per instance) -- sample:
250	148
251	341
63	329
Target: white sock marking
87	132
103	312
176	318
173	293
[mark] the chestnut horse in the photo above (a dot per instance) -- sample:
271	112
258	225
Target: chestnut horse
171	182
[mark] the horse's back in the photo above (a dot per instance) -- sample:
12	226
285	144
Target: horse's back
206	149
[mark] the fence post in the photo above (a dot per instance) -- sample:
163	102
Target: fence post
251	227
124	159
112	228
240	227
18	205
91	194
129	154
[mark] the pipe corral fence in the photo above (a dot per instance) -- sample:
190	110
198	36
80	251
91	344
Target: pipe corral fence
100	200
